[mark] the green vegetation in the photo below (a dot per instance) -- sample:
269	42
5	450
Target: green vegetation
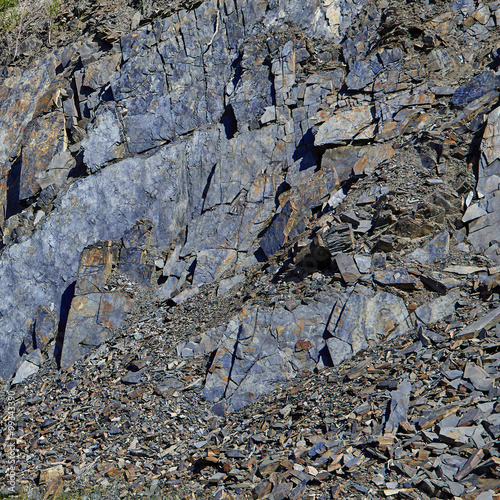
7	4
53	8
9	15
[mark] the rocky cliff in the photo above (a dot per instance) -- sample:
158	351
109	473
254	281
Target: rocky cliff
249	193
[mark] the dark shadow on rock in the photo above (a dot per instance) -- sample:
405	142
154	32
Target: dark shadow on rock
282	188
260	255
324	355
474	151
269	63
13	188
238	69
207	185
495	64
66	299
229	121
80	169
306	152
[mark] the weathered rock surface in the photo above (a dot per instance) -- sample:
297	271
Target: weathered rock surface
236	199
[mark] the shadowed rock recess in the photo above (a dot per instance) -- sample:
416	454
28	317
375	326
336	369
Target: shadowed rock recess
252	250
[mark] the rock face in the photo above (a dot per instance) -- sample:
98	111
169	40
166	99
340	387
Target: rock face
189	151
192	95
240	196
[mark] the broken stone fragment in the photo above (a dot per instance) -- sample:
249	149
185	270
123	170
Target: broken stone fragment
347	267
96	262
479	378
437	309
399	278
477	86
433	251
50	474
398	412
28	367
364	318
278	231
168	386
104	141
364	263
45	327
473	212
486	321
344	126
227	284
45	138
384	244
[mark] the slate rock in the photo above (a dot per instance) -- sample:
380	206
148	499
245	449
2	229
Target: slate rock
437	309
398	412
168	386
81	331
473	212
104	141
477	87
133	377
227	284
363	318
399	278
433	251
345	125
478	377
45	327
486	321
347	267
44	138
28	367
264	342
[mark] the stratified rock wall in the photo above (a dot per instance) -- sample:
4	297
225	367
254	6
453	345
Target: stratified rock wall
195	86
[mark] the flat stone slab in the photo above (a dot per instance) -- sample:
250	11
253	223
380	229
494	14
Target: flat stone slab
347	267
487	321
345	125
399	278
437	309
435	250
473	212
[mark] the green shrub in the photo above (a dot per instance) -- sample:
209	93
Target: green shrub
9	17
7	4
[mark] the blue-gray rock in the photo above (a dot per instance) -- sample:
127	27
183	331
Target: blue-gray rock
263	348
105	141
437	309
477	87
435	250
364	318
398	412
30	365
45	325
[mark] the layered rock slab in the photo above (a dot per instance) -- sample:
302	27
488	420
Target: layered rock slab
262	348
484	231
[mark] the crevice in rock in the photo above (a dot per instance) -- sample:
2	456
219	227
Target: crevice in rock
66	299
207	187
238	69
269	63
13	188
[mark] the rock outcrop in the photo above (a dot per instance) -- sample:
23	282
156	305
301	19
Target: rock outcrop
327	173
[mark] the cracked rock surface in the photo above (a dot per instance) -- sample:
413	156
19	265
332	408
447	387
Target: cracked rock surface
251	250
